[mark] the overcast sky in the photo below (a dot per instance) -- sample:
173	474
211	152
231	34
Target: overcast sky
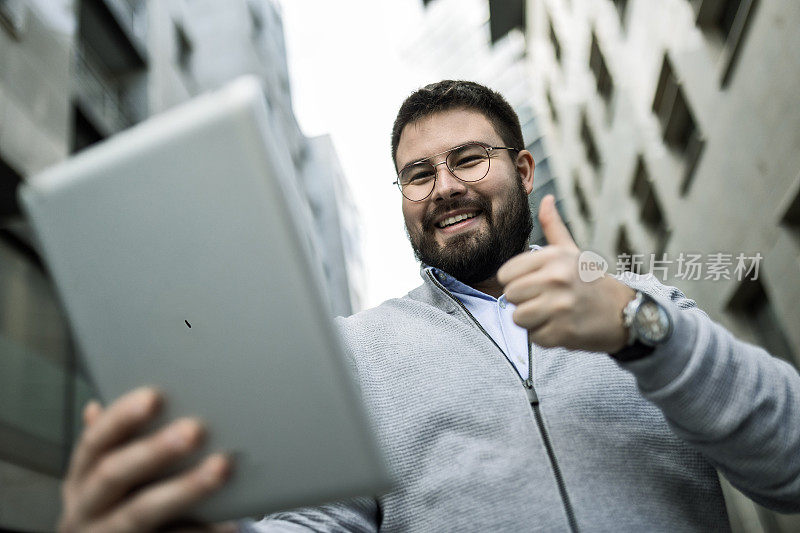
348	79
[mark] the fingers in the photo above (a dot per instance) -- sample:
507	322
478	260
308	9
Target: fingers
224	527
91	412
117	472
543	321
115	480
156	504
525	287
523	263
531	315
118	421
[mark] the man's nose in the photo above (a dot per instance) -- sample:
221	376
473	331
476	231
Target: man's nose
446	186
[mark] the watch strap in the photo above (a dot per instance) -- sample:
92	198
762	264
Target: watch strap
632	352
635	349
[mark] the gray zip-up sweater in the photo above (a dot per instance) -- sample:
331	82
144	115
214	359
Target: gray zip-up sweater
596	446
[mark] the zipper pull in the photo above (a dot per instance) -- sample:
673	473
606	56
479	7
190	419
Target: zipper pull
531	392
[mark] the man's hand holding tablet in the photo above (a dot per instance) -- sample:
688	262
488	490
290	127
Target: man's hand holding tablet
110	485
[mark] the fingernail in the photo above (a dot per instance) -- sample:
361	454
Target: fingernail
215	469
89	407
147	399
226	527
183	434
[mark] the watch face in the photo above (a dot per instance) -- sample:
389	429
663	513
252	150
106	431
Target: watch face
651	323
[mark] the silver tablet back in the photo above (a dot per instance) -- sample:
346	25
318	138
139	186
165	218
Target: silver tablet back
176	251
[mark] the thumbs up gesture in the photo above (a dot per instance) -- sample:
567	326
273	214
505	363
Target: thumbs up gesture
553	303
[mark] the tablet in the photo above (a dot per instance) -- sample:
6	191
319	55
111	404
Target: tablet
178	251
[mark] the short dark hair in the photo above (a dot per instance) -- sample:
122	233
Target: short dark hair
455	94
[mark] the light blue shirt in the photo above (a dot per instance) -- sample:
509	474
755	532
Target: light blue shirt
495	315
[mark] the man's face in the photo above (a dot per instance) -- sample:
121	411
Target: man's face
473	249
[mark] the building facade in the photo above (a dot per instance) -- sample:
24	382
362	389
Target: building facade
674	129
72	73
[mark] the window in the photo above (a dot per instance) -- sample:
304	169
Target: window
717	14
791	215
36	430
530	128
678	126
650	211
592	155
605	85
257	20
627	259
551	105
184	54
115	31
84	133
13	17
504	16
9	181
554	40
751	305
580	198
540	190
730	21
621	6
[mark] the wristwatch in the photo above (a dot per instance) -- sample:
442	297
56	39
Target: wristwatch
648	325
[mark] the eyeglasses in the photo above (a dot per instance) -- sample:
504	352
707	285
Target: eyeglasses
468	162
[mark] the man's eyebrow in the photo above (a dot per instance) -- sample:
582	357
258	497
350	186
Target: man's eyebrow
469	141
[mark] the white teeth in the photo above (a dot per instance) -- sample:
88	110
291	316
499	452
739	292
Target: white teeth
458	218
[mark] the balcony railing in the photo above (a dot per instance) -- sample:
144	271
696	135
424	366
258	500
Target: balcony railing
98	93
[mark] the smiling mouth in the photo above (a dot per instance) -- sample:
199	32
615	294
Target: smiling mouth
452	221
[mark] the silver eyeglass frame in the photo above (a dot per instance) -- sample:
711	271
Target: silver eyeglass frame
486	147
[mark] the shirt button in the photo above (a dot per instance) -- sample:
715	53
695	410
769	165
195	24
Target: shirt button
502	304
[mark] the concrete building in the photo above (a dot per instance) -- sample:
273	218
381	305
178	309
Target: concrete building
485	42
674	129
336	225
74	72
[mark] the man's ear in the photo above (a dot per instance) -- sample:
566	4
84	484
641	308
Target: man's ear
525	167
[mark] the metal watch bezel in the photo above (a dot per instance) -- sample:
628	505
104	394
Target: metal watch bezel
640	323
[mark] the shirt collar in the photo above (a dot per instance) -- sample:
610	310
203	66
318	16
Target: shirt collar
455	286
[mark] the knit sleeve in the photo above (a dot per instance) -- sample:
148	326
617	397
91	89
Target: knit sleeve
360	515
733	401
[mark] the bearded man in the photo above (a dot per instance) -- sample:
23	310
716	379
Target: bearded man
507	393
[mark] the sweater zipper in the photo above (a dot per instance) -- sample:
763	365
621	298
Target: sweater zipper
534	401
551	454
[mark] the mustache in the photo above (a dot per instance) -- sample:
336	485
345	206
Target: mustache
479	204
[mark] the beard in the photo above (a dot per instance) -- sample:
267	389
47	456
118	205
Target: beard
475	256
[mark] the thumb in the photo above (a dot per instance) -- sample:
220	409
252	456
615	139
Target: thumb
552	226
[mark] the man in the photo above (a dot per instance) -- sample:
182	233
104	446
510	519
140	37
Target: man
506	391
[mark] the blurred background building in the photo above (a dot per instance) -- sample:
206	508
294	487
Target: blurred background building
72	73
674	127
